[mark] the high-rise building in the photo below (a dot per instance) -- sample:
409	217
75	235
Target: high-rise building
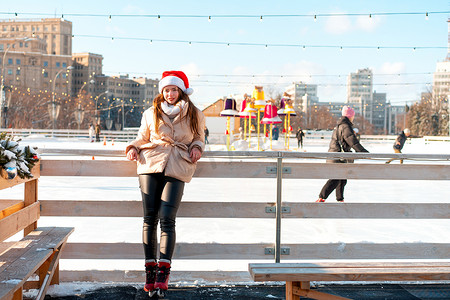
123	99
86	67
360	93
441	78
37	54
303	95
56	32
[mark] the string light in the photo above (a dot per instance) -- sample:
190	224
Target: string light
109	18
234	16
426	16
315	18
261	18
266	44
209	18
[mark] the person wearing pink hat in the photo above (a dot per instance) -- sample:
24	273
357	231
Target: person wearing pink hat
343	139
170	141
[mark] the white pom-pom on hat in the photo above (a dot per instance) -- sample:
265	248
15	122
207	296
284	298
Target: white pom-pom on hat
177	78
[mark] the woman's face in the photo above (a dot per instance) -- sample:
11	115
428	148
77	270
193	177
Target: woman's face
171	94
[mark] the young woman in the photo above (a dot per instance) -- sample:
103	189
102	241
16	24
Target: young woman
170	141
343	139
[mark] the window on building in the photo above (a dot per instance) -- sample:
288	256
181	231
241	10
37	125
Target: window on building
45	74
64	65
10	72
21	44
1	47
10	61
18	61
12	28
24	28
64	75
45	28
45	63
26	45
18	72
58	64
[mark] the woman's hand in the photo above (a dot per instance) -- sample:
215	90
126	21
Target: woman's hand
132	154
195	154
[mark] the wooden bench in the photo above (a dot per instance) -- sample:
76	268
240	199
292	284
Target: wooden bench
299	275
37	253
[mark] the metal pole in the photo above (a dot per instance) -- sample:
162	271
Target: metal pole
278	208
2	99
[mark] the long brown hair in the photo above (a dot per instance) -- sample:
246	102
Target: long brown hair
191	112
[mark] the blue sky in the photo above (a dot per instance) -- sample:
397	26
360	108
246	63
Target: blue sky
218	70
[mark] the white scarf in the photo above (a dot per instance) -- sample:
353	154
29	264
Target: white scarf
173	110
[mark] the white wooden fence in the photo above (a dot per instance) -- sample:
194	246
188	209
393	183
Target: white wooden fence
275	165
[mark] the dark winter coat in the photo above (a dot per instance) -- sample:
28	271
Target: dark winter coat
344	139
400	141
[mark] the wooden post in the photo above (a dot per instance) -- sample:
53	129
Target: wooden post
290	290
30	197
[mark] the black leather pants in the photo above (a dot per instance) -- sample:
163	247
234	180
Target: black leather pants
161	197
330	186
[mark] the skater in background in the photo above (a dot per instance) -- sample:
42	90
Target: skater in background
97	132
342	140
91	133
275	133
170	141
299	135
400	142
206	135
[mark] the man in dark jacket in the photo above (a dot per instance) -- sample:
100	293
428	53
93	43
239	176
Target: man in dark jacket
342	140
400	142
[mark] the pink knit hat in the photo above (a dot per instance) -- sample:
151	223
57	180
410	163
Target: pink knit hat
348	112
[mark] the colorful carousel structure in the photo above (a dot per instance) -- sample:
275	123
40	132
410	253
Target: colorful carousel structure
271	117
286	110
259	104
229	111
247	112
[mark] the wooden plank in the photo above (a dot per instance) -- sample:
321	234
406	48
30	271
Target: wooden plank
256	169
348	264
42	243
353	274
134	209
8	207
315	294
335	210
19	220
138	276
7	183
125	208
256	251
30	197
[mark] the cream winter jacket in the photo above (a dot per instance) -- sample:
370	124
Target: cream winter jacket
168	150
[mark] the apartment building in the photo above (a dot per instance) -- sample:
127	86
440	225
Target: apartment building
37	54
56	32
304	95
360	93
85	67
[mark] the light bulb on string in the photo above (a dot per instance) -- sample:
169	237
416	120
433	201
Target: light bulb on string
261	18
209	19
110	18
159	18
315	18
426	16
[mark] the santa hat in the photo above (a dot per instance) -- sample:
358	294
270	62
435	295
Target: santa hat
177	78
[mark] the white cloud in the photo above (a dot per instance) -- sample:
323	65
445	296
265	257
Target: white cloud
392	68
338	25
368	24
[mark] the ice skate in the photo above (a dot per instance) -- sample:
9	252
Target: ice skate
320	200
150	277
162	279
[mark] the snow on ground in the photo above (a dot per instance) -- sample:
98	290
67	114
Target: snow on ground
243	230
